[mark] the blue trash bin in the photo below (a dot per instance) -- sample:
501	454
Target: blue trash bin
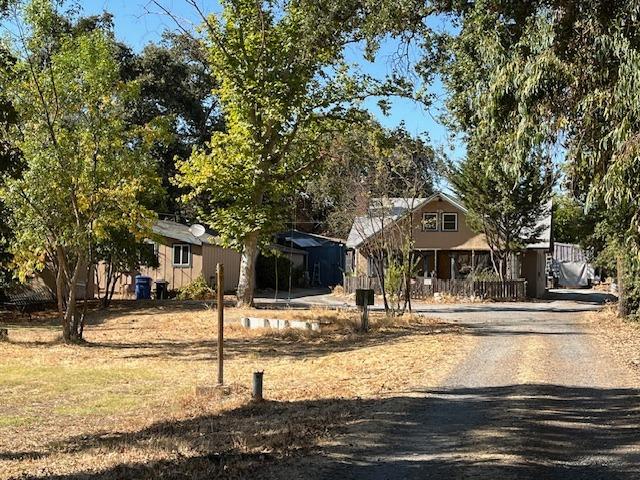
143	287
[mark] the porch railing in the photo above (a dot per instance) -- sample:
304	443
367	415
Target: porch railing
494	290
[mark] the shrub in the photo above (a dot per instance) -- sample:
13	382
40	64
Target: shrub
196	290
483	275
266	272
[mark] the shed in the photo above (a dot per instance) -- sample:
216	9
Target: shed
325	262
183	258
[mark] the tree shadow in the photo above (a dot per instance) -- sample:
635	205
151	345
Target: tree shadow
532	431
275	344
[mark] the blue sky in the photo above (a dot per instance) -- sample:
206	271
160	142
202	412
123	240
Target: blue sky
139	22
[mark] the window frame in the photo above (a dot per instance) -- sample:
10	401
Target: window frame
189	257
431	214
442	223
156	248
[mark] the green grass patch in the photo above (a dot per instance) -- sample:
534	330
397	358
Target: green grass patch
15	421
108	404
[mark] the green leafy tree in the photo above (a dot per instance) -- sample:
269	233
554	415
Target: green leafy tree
87	170
175	83
333	197
118	252
10	161
566	70
504	204
282	83
572	223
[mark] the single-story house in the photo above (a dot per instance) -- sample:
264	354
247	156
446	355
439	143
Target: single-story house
325	260
183	258
443	242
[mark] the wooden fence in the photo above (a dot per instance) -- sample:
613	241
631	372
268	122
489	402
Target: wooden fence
495	290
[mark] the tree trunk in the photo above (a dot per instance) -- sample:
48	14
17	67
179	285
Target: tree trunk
378	265
246	282
61	292
622	304
71	318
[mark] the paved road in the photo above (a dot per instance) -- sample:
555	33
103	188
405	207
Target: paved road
537	398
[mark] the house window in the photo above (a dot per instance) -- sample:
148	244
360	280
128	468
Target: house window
449	222
182	255
149	253
429	222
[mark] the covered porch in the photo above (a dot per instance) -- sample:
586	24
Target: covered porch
450	264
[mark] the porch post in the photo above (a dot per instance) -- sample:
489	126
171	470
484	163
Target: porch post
435	262
473	259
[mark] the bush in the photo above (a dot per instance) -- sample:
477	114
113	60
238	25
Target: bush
196	290
266	272
483	275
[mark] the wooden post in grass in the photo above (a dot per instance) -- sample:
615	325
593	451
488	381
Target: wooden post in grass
364	298
220	298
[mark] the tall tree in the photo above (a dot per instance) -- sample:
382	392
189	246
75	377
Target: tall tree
505	204
86	168
282	81
10	159
333	197
568	70
175	83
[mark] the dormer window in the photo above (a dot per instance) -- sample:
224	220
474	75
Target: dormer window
429	222
449	222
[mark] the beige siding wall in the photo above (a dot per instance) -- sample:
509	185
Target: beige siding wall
177	276
203	262
362	263
463	239
212	255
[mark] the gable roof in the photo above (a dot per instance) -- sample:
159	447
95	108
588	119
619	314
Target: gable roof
180	232
365	227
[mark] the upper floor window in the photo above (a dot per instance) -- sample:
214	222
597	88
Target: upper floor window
182	255
429	222
449	222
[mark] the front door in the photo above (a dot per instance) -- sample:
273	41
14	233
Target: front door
444	264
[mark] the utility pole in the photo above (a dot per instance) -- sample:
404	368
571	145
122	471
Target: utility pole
220	301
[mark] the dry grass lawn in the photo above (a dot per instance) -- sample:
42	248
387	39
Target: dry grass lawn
622	336
124	405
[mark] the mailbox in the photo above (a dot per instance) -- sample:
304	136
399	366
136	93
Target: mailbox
364	296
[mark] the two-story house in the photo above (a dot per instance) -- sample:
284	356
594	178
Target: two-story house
443	242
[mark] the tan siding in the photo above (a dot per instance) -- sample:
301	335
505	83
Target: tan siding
533	270
463	239
177	276
212	255
203	262
361	263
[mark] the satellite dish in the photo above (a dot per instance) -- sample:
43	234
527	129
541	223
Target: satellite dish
197	230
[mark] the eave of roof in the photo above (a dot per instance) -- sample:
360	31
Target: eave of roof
181	233
355	239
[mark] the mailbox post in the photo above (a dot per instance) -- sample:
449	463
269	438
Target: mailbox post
364	298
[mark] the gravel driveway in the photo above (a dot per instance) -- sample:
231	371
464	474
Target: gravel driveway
537	398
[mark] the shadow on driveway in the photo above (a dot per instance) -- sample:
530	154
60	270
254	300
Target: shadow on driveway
529	431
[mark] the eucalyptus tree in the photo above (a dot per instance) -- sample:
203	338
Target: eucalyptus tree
563	72
86	168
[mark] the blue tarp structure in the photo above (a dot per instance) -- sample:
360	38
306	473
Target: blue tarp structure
326	256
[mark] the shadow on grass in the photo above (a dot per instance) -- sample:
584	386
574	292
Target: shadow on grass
291	343
527	431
